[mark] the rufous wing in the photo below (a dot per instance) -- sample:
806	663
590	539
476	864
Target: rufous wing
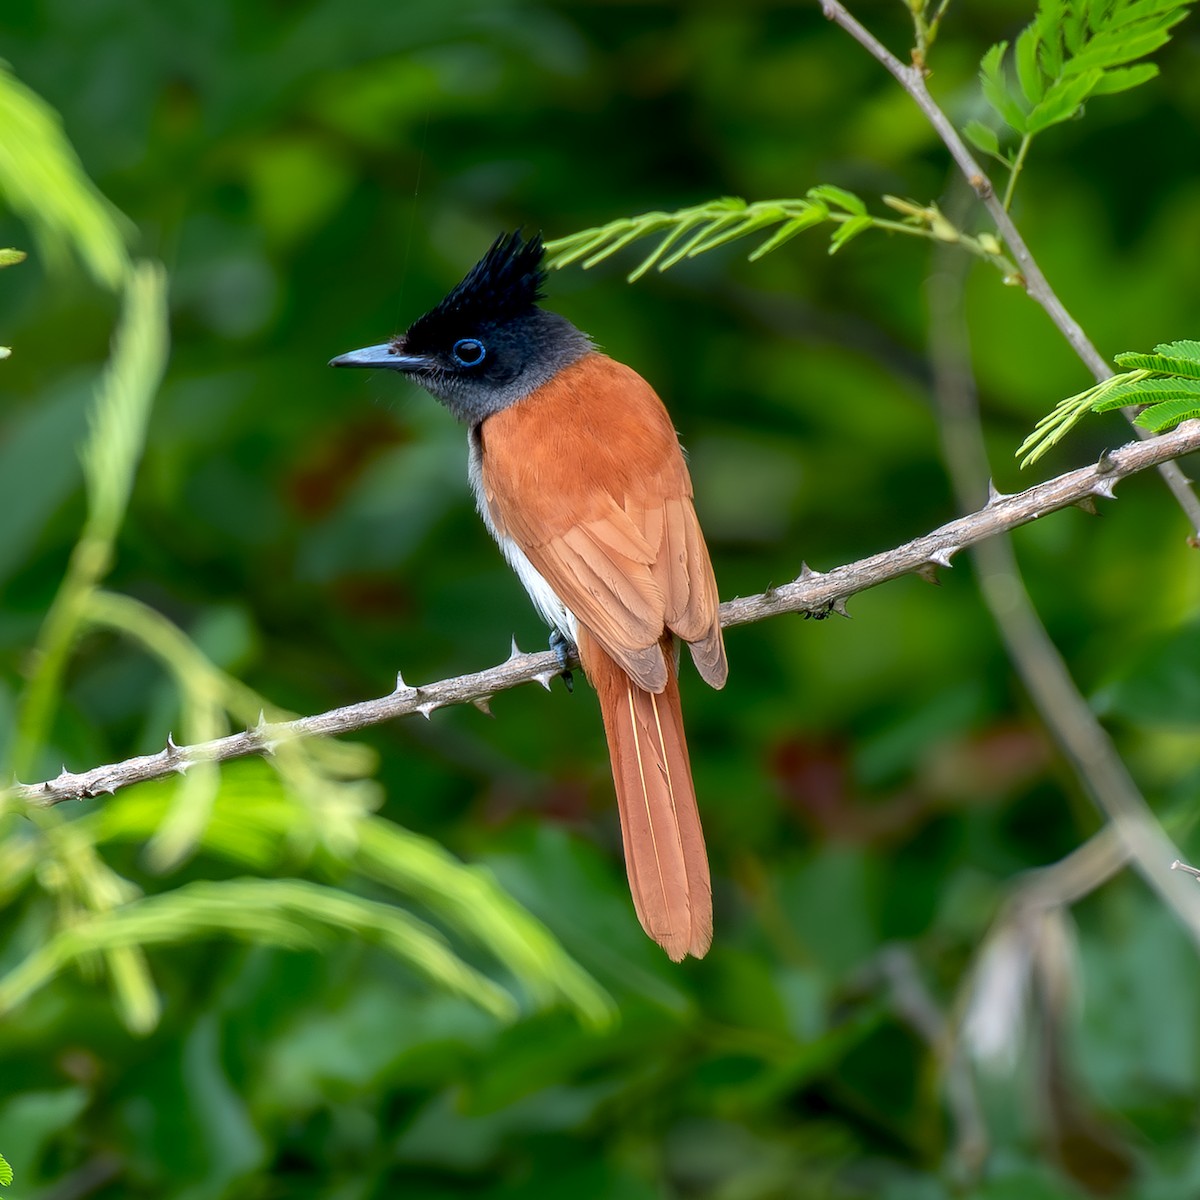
587	477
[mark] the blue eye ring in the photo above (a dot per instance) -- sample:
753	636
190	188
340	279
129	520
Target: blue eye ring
469	352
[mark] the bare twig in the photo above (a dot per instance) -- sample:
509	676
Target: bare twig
813	593
912	79
916	1006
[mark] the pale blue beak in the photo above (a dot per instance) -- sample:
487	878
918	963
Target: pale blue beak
385	355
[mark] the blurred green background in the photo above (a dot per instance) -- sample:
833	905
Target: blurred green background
314	175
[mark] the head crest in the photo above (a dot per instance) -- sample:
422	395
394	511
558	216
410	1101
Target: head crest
506	282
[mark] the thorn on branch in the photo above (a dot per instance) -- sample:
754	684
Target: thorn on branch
427	709
1104	487
483	703
929	572
1088	504
545	678
1105	464
994	494
806	572
516	650
942	557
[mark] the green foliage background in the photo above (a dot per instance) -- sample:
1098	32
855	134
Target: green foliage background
313	176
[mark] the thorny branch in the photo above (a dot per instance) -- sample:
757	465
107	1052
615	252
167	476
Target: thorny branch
912	80
813	593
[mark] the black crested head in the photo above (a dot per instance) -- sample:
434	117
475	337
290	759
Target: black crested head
505	283
487	345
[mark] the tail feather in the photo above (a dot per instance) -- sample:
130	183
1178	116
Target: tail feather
665	855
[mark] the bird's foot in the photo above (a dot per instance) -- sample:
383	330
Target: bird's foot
566	652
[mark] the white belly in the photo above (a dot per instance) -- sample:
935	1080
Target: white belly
554	612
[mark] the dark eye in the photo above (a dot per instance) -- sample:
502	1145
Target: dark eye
468	352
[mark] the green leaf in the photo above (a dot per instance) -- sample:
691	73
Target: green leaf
1116	47
43	181
10	257
1185	368
607	251
1163	416
118	421
1062	100
1121	79
1184	348
838	197
705	231
1149	391
849	229
1049	20
253	818
1065	415
741	228
982	136
569	249
1075	27
6	1173
1029	73
291	913
672	237
806	220
995	88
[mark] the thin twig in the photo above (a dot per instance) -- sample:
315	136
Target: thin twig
916	1006
912	79
813	593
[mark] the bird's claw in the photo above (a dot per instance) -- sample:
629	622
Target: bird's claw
566	653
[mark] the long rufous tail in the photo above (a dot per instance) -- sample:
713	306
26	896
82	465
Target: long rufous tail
660	824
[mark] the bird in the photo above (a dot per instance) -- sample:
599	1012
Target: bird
579	476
